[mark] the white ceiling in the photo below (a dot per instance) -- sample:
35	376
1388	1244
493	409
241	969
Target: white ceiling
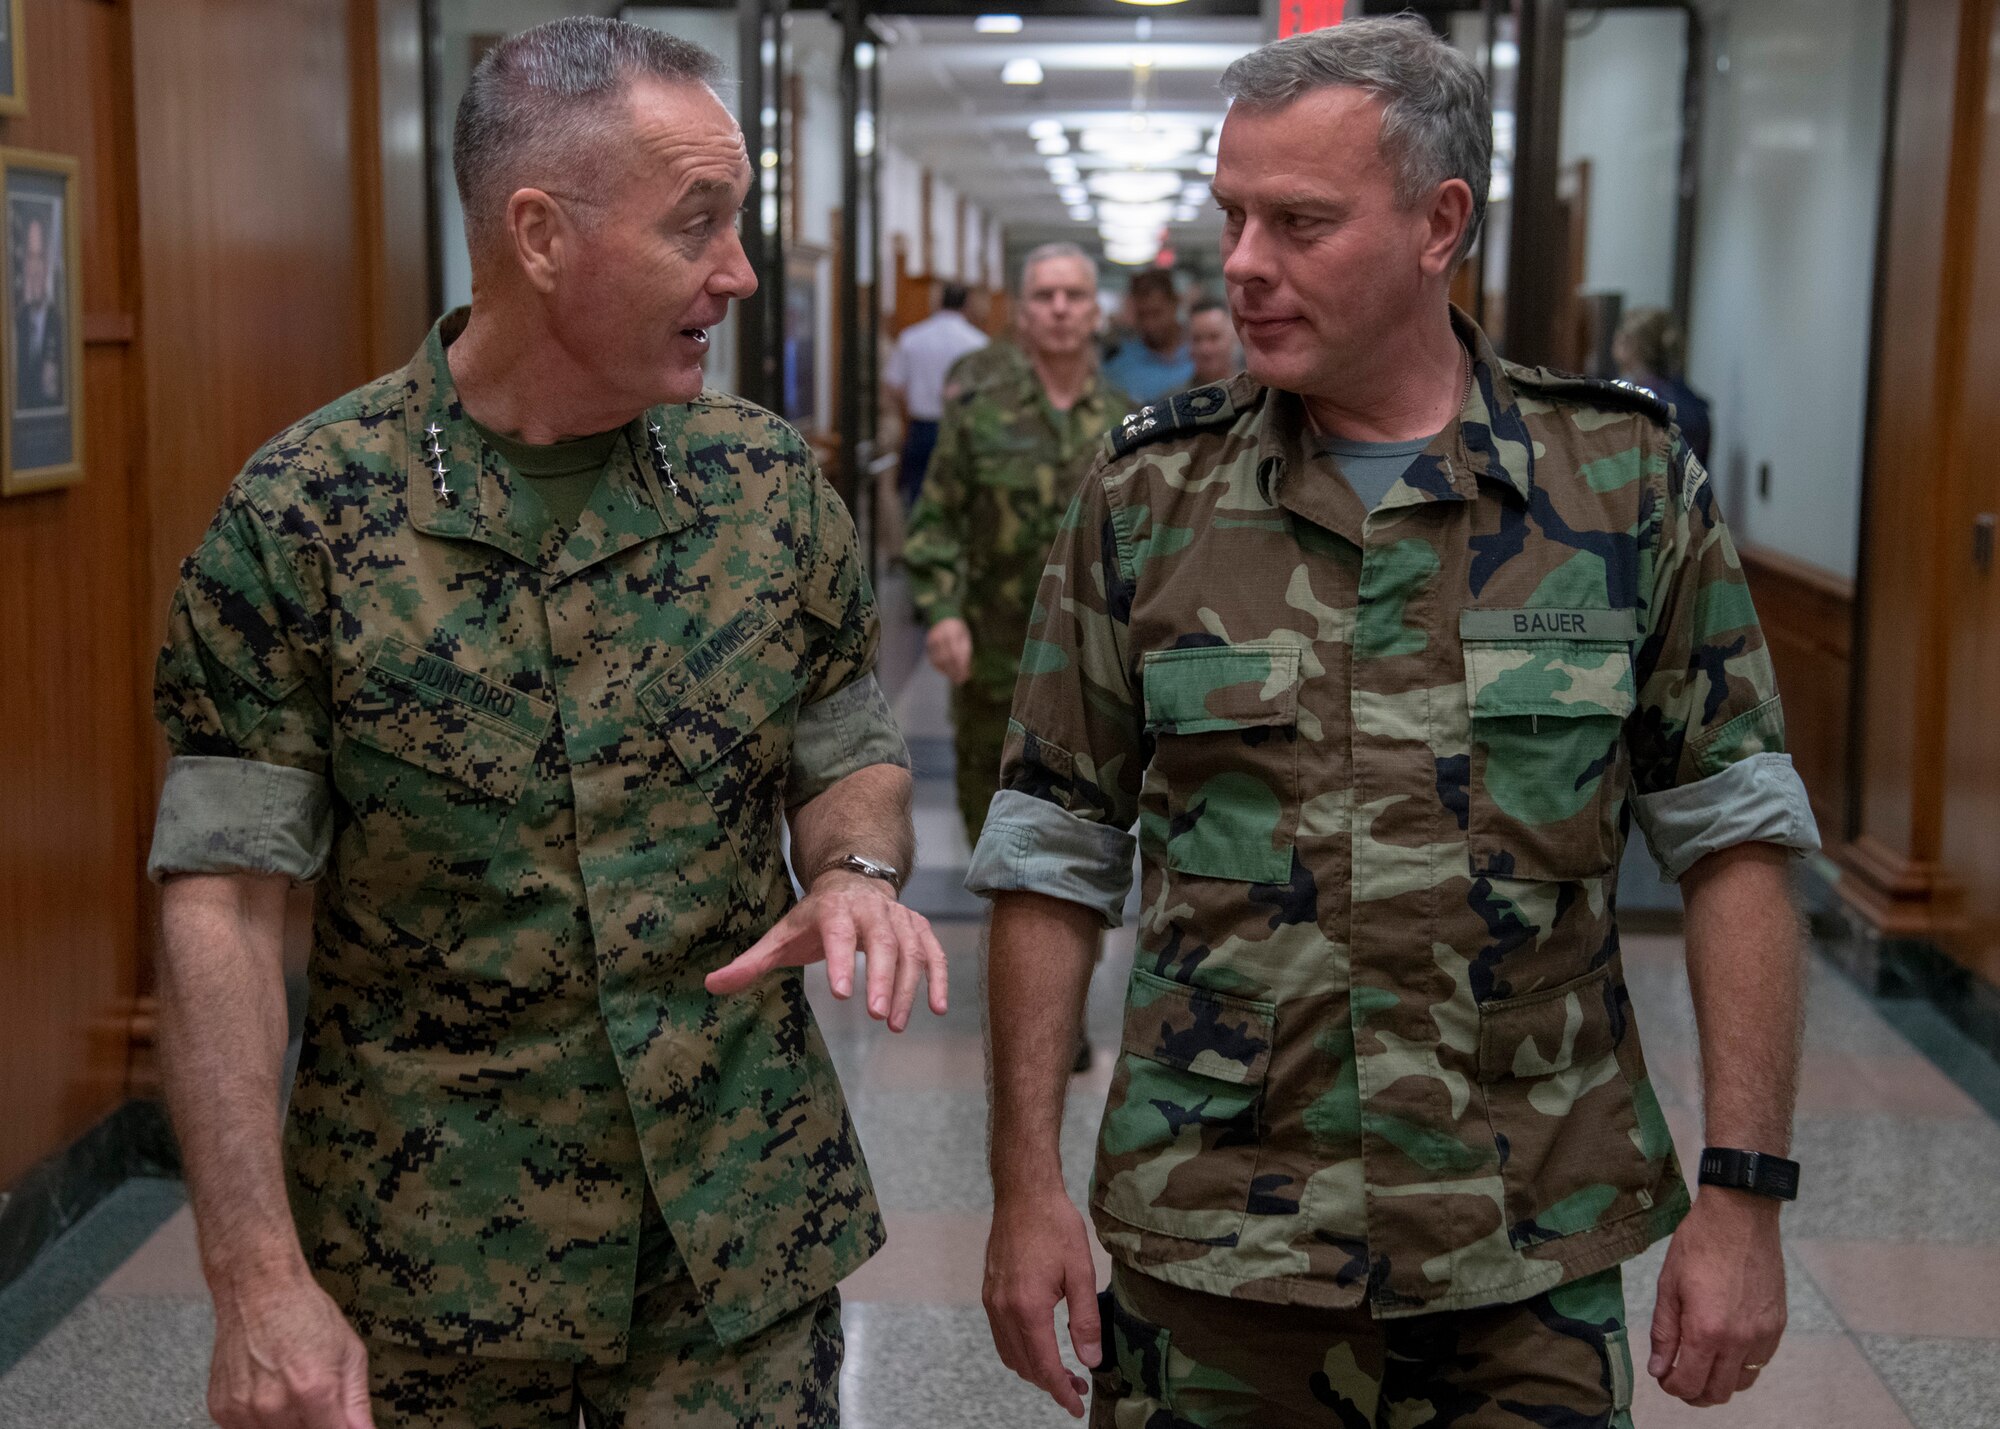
945	106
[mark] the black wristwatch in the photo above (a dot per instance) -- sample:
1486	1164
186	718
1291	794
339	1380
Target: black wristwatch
1752	1171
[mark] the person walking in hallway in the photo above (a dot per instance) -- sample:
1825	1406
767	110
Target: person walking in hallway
1649	351
916	374
528	648
1382	643
1212	342
1155	363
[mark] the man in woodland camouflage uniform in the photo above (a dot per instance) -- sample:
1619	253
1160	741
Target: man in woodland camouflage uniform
1382	643
530	648
1019	431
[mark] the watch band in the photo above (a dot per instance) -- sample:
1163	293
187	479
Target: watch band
1757	1172
866	867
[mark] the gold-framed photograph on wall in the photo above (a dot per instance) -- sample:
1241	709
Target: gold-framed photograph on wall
41	380
13	61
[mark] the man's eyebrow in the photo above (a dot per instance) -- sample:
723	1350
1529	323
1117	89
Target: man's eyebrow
708	188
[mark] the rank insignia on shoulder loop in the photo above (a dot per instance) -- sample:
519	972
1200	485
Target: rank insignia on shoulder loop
660	456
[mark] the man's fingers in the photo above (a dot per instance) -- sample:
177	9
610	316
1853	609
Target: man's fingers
1666	1334
1688	1379
1080	1286
940	970
837	941
909	971
1046	1367
878	941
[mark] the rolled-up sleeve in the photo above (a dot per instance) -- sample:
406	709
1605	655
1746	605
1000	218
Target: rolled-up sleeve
1708	736
1076	750
848	731
239	692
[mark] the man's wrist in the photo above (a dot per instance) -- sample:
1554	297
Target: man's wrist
838	877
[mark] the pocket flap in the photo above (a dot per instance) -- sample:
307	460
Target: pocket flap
426	710
1209	687
1211	1034
732	682
1560	678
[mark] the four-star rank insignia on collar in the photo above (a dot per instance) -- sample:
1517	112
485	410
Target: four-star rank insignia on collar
1183	412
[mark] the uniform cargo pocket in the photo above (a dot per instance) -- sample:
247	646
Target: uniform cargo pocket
1225	725
1179	1142
1561	1108
1548	756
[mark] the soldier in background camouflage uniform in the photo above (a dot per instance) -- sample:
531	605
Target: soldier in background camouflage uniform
1020	429
1382	1130
536	704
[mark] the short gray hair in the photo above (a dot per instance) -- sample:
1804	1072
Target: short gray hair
543	106
1048	251
1436	121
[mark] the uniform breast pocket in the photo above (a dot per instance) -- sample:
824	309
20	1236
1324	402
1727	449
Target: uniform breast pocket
1178	1150
1225	722
1548	756
729	723
431	762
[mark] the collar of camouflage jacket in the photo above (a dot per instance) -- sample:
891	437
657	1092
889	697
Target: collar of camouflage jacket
645	490
1488	440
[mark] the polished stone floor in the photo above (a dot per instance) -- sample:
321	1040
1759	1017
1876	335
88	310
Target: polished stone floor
1894	1246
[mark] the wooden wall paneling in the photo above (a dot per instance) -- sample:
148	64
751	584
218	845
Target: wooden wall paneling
1893	874
1971	848
69	760
1808	617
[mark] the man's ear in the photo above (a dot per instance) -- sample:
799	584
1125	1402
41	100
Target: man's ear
1449	216
537	229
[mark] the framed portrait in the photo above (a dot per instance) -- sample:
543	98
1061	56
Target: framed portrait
13	61
41	439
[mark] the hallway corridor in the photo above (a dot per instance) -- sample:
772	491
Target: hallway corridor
1894	1243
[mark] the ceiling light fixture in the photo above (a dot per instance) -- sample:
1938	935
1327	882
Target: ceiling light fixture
1082	212
1074	194
1141	143
1151	4
1054	144
1042	128
1135	185
997	25
1021	71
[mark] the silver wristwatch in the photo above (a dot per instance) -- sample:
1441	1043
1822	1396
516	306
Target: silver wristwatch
866	867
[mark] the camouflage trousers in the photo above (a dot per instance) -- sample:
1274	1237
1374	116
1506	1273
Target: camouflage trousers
1182	1359
675	1375
979	727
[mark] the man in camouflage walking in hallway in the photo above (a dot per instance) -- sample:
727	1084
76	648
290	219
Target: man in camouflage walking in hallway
1382	643
1017	437
531	648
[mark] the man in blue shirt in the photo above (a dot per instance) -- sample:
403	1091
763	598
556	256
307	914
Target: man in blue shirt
1157	363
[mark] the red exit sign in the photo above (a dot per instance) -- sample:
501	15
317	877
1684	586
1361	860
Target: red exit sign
1296	17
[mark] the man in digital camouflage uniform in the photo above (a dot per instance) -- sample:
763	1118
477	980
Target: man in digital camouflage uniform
530	650
1020	429
1382	643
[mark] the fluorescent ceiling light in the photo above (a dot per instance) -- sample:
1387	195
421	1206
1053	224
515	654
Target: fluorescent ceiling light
1150	3
1185	213
1021	71
1064	171
1214	139
1135	185
997	24
1145	145
1150	215
1134	255
1506	55
1142	60
1206	164
1073	194
1054	144
1042	128
1195	195
1082	212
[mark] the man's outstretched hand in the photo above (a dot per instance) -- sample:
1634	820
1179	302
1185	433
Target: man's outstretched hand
846	913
